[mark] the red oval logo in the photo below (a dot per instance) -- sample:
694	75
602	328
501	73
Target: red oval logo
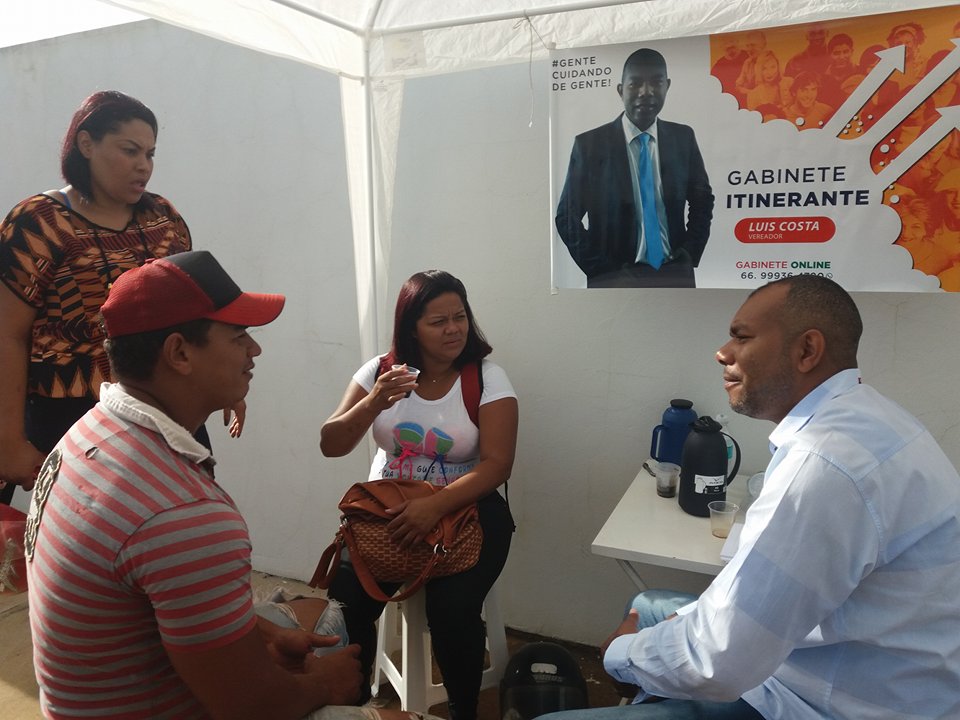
817	229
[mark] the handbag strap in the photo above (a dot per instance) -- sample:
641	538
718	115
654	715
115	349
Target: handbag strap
329	562
370	585
448	528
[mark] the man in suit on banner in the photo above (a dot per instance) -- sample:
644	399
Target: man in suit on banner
622	210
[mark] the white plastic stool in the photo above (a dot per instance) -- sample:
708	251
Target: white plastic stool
414	680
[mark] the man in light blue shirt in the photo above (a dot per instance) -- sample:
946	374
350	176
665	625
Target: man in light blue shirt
843	598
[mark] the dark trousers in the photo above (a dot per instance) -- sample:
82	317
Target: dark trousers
46	420
678	273
454	604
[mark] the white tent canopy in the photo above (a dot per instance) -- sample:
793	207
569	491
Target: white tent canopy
400	38
374	44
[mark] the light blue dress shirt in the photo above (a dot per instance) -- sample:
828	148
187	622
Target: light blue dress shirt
843	599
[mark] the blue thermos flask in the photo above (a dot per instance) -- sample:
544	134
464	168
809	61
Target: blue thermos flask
666	444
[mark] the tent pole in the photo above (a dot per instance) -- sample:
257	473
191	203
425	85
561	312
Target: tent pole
372	209
325	17
374	335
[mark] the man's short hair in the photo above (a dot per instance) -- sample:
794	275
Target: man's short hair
817	302
134	357
803	79
644	57
840	39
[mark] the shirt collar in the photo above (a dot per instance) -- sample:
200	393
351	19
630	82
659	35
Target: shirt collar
136	411
630	131
805	409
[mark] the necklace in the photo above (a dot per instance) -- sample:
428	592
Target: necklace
442	376
107	269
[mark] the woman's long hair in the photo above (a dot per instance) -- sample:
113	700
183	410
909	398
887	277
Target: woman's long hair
417	291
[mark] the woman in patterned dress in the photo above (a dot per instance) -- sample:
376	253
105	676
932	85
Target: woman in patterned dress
60	252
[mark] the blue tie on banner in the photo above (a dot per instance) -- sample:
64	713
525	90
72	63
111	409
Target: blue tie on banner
648	205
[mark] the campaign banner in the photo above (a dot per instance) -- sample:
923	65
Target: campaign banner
731	160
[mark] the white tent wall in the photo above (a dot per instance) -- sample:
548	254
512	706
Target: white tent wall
252	152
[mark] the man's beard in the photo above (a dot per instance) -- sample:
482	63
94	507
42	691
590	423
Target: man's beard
766	397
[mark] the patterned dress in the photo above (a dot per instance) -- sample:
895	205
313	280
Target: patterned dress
63	265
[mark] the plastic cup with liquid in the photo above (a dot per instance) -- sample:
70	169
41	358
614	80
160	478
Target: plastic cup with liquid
722	515
668	477
412	373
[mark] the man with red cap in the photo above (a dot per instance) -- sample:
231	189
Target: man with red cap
138	561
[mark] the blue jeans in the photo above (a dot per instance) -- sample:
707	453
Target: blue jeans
654	606
665	710
331	622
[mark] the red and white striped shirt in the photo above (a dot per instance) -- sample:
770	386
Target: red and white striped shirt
135	548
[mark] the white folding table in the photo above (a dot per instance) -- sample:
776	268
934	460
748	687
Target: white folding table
648	529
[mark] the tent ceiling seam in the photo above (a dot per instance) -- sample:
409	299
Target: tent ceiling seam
337	22
514	15
442	24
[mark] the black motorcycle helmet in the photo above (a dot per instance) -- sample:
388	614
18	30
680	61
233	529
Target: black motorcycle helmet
540	678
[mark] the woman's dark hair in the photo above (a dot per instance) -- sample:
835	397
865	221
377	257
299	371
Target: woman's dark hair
101	113
134	356
416	292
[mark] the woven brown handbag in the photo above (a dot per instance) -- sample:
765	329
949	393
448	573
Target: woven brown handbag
451	547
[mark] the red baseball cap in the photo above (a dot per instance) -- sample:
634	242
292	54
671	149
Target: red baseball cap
179	288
